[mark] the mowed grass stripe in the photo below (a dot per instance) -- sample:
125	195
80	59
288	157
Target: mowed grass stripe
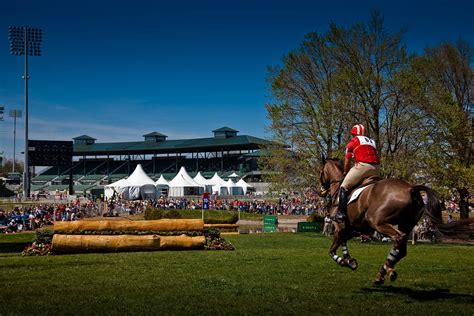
279	273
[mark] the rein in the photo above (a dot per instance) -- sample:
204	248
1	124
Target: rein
329	190
333	197
326	187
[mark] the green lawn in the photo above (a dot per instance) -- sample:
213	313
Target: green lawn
279	273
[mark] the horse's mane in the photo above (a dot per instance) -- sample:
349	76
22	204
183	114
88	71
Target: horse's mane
337	161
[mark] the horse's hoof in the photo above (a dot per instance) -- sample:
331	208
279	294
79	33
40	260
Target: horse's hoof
378	282
353	264
392	275
379	279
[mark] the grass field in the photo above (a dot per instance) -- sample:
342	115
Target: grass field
279	273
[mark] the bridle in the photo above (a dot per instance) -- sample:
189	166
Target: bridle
327	185
326	189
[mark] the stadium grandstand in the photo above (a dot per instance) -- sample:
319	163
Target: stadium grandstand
97	164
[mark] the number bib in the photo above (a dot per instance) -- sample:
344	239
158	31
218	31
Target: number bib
366	141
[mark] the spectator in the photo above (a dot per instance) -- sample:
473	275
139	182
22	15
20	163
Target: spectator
327	228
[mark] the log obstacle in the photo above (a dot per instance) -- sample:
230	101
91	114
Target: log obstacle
99	236
105	243
152	225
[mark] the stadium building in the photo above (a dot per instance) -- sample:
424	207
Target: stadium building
97	164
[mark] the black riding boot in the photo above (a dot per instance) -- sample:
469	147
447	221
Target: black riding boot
342	208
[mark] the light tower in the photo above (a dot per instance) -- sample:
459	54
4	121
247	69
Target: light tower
25	40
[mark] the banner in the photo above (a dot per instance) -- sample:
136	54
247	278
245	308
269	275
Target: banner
205	201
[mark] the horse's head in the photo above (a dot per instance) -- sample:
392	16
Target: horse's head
323	191
331	171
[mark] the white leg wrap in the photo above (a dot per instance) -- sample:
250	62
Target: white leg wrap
345	251
337	259
393	255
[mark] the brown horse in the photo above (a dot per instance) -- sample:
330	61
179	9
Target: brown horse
391	207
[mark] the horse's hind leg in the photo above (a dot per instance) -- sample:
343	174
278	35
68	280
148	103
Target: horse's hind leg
398	251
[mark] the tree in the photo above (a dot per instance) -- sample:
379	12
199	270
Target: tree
448	80
415	107
7	168
359	74
374	75
304	114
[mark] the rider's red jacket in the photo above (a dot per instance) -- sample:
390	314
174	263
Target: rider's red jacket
363	149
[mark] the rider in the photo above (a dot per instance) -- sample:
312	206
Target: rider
367	163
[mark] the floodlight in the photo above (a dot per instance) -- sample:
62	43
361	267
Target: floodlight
25	39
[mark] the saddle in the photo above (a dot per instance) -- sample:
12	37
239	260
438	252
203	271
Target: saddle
368	181
357	190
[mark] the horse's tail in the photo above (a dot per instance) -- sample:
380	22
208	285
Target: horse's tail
463	228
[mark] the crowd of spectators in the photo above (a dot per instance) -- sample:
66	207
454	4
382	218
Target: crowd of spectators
33	217
282	205
36	216
424	230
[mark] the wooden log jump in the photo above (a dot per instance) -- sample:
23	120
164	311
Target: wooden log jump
63	244
80	236
156	225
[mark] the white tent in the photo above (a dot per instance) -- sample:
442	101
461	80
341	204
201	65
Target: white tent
244	185
139	185
162	185
116	187
219	186
234	189
182	184
162	181
233	175
203	182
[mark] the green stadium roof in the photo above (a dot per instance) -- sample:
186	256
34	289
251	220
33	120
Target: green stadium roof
224	129
84	137
210	144
154	134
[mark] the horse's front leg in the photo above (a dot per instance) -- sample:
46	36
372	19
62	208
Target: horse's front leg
340	238
350	262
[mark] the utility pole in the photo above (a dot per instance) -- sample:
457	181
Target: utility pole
14	114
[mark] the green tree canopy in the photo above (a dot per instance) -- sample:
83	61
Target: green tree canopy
415	107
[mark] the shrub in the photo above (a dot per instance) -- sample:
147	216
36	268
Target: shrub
41	246
37	249
151	214
231	220
172	214
214	241
44	236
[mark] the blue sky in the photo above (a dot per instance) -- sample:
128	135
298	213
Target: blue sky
116	70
